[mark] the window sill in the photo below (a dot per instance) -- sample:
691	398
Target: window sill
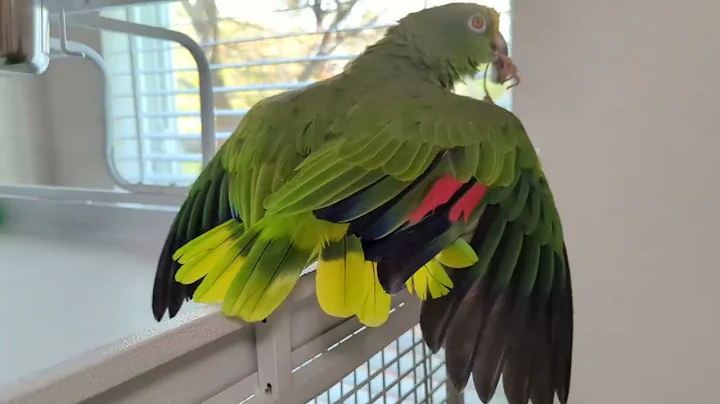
78	307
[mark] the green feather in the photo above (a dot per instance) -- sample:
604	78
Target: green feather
262	187
210	207
544	229
560	274
424	157
386	154
512	243
323	190
223	199
508	172
269	273
464	161
532	218
241	193
372	151
486	170
514	203
403	160
489	246
546	270
194	219
529	265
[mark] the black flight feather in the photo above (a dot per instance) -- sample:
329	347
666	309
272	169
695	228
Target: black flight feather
496	325
205	207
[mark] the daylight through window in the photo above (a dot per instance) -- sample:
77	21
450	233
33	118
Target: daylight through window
256	49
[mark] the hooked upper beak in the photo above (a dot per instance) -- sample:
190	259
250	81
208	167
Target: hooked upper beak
505	69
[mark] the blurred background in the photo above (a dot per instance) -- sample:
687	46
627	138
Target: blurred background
255	48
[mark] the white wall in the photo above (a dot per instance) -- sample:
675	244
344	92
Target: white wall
22	153
622	98
74	97
631	152
52	128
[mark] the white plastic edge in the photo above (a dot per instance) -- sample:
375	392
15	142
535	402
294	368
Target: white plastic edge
103	368
90	5
114	368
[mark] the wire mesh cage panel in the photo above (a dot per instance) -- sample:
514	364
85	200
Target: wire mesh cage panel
403	372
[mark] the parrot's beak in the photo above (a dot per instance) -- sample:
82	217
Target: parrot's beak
505	69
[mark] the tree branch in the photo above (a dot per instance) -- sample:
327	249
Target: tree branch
204	17
326	47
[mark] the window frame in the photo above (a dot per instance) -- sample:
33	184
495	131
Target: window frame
157	156
140	164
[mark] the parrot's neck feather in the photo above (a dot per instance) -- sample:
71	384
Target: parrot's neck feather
395	56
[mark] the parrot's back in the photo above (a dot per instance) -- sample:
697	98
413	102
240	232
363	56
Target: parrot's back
271	140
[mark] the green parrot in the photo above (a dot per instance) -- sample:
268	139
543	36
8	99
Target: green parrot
387	180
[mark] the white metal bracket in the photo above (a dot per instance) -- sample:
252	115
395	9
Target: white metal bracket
207	118
274	355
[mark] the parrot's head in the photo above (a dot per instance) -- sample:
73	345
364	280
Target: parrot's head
461	35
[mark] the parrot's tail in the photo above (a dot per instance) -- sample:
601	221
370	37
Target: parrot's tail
347	284
434	238
213	259
431	280
495	322
253	272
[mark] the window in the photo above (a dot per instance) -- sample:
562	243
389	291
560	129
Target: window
255	48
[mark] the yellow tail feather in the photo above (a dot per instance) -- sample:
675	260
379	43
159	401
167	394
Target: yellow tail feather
215	286
202	264
458	255
376	306
341	279
430	279
207	241
305	231
215	255
268	275
252	272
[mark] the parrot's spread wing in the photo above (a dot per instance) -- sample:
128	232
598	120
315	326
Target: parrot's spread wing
403	188
511	314
511	311
397	156
387	141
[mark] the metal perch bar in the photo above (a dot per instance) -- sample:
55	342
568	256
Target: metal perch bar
80	50
207	121
71	49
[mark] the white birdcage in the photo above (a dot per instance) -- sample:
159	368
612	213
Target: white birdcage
154	148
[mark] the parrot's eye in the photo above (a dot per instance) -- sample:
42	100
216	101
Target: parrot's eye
477	24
